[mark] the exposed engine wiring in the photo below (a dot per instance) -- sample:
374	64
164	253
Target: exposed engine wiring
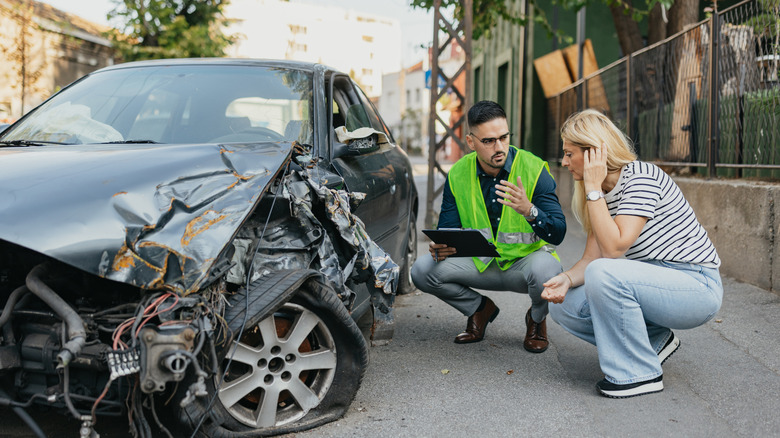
98	400
157	310
154	307
157	419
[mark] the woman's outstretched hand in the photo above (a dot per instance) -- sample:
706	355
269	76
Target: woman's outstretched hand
555	288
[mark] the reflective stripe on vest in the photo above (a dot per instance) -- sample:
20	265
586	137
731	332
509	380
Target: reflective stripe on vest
515	237
488	233
511	238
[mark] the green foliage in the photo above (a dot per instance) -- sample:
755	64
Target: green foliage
763	25
487	13
26	65
629	9
766	24
761	133
155	29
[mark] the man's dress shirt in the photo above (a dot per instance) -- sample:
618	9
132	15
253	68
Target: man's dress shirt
550	224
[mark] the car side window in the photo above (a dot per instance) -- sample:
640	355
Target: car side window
348	109
373	116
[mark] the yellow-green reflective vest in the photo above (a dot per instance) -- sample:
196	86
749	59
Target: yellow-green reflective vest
515	237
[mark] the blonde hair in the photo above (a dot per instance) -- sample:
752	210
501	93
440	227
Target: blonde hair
587	129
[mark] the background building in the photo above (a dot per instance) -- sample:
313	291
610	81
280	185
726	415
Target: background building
364	45
404	105
42	50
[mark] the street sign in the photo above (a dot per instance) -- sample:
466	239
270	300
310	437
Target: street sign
442	81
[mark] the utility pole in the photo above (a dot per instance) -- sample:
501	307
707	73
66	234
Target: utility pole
462	36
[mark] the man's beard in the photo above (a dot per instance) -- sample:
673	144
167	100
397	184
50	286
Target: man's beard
494	158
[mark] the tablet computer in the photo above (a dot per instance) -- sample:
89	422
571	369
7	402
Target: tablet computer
467	243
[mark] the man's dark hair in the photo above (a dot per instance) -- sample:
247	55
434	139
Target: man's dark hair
484	111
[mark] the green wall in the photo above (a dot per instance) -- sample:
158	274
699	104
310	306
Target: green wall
497	66
598	28
511	50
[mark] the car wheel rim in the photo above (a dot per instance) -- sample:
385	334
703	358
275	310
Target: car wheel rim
280	369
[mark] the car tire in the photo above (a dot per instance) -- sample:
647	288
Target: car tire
315	378
405	284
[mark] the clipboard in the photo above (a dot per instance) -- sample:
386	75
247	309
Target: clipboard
468	243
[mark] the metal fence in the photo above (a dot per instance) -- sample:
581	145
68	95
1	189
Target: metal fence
682	112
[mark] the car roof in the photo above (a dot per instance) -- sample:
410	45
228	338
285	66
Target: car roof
278	63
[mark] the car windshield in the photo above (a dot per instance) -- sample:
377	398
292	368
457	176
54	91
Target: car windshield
174	105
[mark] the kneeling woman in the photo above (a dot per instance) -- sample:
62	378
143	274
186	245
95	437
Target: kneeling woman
648	265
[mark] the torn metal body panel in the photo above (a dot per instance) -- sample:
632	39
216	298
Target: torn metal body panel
306	243
368	254
151	216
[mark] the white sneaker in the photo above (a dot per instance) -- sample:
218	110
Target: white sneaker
672	345
613	390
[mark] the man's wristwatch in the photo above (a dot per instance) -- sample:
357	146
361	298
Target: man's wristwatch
532	214
595	195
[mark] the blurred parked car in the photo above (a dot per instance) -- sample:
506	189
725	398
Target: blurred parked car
200	237
3	126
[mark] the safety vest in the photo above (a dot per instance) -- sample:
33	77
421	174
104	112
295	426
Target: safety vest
515	237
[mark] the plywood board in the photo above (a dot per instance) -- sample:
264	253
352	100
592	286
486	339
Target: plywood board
689	76
589	64
552	72
597	95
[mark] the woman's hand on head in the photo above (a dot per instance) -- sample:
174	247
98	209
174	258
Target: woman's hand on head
594	169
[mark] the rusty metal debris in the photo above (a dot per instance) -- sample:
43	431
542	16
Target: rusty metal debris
305	242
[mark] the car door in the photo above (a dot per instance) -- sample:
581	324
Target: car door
399	163
370	172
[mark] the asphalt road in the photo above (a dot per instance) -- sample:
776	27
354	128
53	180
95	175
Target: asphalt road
723	382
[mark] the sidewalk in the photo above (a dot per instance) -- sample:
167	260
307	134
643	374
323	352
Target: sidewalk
723	382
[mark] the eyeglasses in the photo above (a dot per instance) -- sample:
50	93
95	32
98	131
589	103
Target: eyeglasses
491	141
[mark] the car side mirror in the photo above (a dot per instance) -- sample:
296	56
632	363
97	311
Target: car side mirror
358	146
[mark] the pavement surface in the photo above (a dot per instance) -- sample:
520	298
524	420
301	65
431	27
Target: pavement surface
724	381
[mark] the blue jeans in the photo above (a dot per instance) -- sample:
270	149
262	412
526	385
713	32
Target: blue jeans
627	308
453	280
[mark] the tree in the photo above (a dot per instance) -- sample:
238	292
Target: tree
487	13
680	13
26	62
156	29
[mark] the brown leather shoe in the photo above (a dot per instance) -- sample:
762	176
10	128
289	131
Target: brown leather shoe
535	335
475	326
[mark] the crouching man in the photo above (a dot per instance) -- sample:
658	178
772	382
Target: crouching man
509	195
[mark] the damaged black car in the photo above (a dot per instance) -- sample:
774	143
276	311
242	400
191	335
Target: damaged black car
189	246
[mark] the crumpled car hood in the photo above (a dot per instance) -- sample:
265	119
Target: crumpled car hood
154	216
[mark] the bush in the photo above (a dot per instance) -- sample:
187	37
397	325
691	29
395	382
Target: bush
761	133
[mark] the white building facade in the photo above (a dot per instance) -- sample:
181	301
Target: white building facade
361	44
405	105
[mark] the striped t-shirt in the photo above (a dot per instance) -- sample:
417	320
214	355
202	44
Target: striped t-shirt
672	233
